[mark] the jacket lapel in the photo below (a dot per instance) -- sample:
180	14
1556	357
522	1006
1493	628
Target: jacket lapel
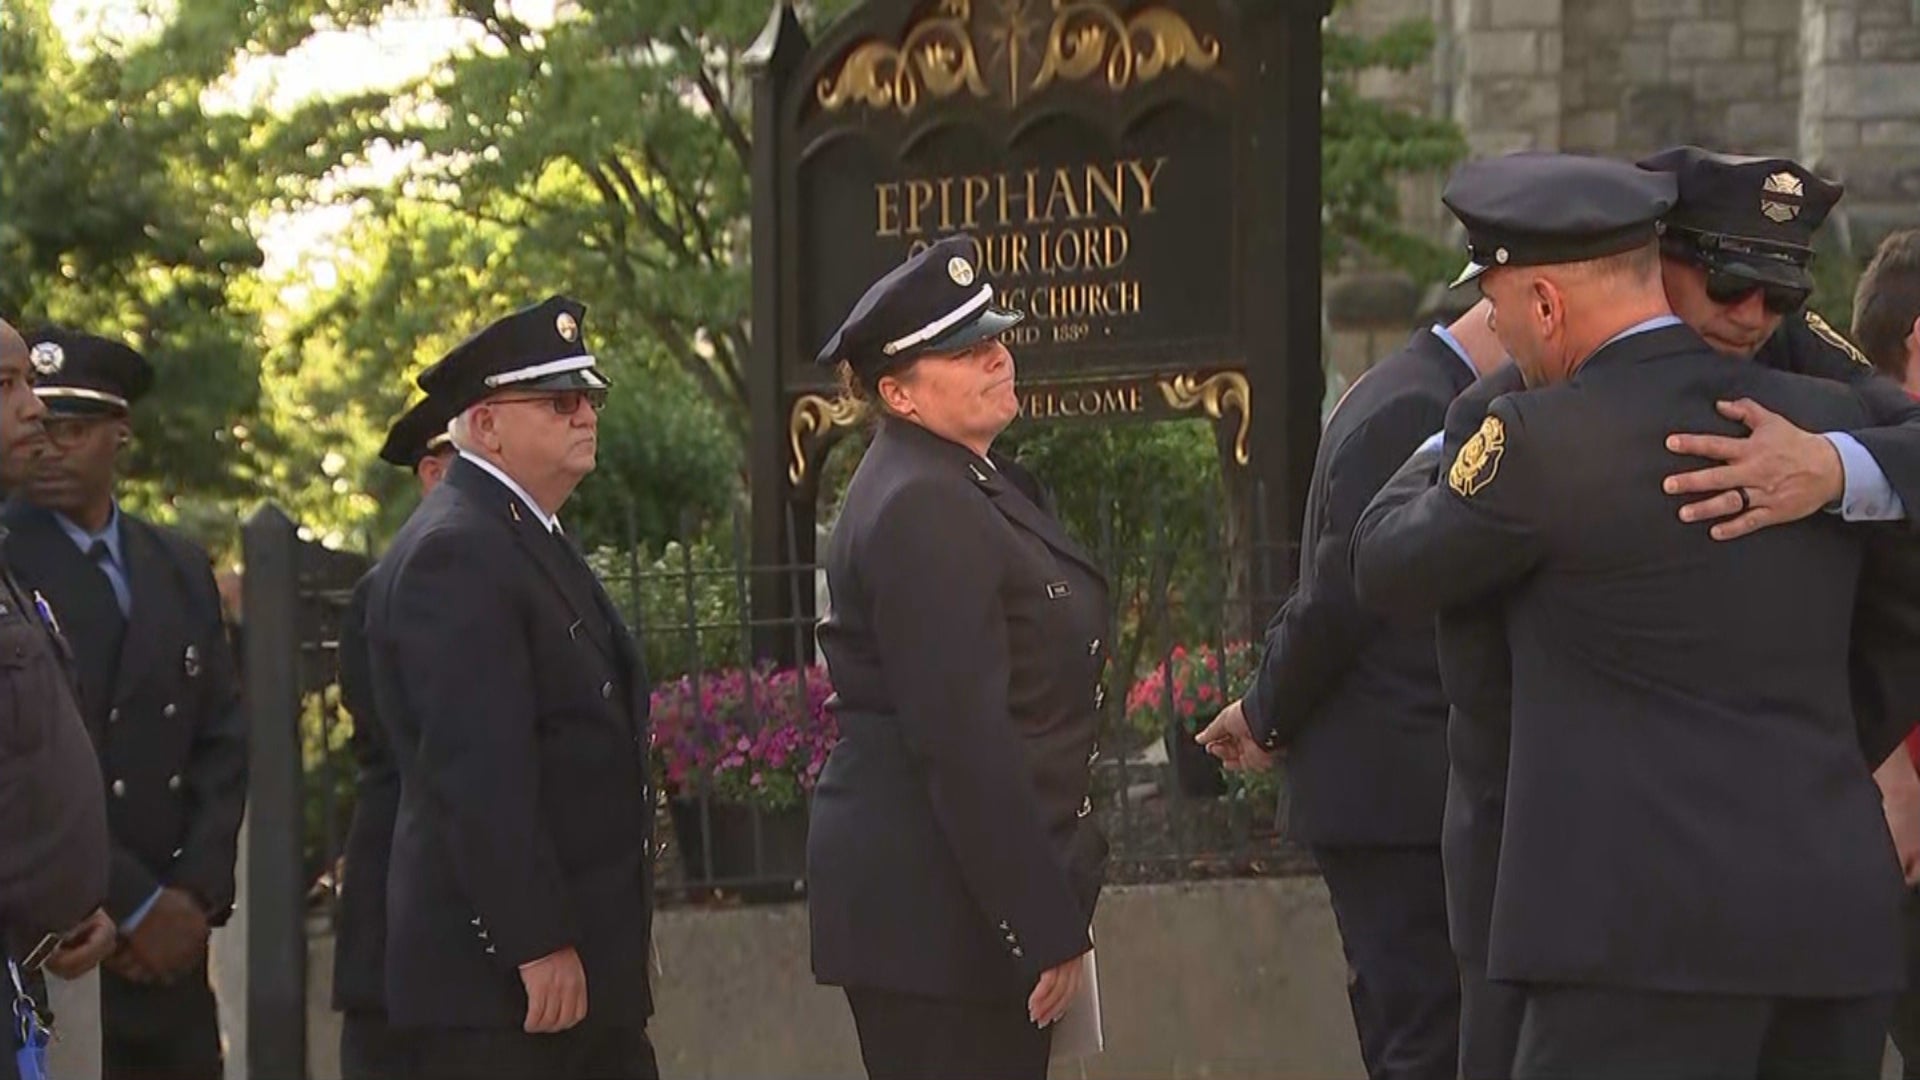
1007	498
574	583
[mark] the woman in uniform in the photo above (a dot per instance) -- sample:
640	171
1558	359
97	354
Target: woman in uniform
952	865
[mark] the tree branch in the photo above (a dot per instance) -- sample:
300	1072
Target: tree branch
685	207
718	102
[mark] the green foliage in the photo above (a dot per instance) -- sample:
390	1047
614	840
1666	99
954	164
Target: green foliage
123	215
1368	146
685	597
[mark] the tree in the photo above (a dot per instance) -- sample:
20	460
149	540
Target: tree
118	215
1368	147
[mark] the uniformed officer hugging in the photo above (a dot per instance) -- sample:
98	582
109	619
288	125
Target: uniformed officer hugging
1694	878
952	866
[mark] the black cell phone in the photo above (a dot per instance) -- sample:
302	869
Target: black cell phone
49	944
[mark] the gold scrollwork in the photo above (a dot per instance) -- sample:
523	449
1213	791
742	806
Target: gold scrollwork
1226	390
811	417
937	54
1088	35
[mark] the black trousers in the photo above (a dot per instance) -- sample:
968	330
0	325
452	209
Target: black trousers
589	1051
1490	1015
154	1032
373	1049
1402	982
908	1037
1592	1033
1905	1025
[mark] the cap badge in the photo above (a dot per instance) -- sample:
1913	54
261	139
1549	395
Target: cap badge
1781	183
960	270
1500	256
1784	183
47	357
568	326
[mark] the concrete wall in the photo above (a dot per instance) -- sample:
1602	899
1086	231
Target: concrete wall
1203	980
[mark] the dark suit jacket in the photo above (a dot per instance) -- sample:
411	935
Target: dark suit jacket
161	697
1356	697
516	702
949	853
1685	784
360	937
53	815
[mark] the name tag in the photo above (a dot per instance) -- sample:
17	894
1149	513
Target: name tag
1057	590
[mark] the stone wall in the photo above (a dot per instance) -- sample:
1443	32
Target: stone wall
1860	114
1644	74
1834	83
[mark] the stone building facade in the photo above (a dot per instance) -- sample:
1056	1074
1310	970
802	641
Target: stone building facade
1834	83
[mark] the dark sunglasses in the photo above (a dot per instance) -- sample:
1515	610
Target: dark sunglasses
1725	287
563	402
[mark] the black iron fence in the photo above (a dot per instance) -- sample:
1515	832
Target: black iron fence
741	723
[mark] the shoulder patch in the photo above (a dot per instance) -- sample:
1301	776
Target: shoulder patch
1474	467
1836	339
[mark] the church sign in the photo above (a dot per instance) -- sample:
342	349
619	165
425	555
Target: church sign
1139	178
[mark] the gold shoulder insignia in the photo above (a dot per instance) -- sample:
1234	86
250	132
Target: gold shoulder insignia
1836	339
1477	461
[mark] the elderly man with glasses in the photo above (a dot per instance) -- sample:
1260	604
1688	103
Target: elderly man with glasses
520	896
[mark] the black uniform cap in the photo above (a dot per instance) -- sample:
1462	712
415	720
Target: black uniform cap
79	374
1539	209
539	348
935	302
420	431
1752	216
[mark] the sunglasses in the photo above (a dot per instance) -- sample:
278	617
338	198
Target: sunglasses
563	402
1726	287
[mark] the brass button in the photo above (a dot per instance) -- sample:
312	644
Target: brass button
113	715
119	789
1093	647
1086	807
169	711
173	782
1017	952
606	690
1099	696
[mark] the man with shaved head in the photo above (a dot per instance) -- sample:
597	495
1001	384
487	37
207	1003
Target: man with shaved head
53	821
1694	877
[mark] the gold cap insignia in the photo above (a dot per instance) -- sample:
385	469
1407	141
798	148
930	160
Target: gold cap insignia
960	270
568	326
47	357
1477	461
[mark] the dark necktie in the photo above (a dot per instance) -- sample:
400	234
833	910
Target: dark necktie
102	557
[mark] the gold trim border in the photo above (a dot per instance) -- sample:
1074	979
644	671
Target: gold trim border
1085	38
936	53
1218	393
812	416
1102	39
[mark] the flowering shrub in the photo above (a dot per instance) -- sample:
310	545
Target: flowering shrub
759	738
1197	687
